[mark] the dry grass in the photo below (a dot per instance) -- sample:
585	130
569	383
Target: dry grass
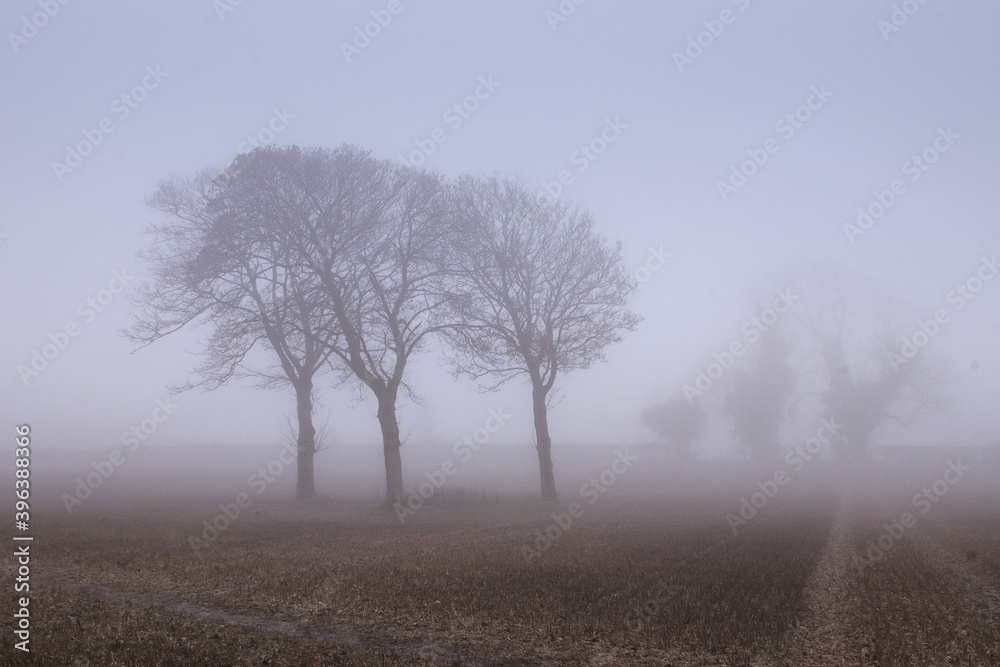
643	581
931	598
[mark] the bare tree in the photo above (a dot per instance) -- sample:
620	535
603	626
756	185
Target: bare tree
538	293
372	237
678	421
854	329
214	267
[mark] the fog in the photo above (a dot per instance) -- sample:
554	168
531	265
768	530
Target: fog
799	141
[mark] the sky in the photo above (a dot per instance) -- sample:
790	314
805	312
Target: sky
645	110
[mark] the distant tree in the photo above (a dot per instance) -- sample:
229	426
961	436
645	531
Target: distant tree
212	267
857	336
678	421
537	293
371	238
759	395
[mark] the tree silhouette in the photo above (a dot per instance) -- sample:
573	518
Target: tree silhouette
537	293
759	396
678	421
212	267
854	329
370	238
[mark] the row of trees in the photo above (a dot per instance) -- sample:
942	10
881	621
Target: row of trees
841	349
344	265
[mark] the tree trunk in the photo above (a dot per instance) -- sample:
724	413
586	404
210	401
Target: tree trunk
544	445
305	484
854	444
390	448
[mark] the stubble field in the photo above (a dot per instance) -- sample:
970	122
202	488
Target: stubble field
823	573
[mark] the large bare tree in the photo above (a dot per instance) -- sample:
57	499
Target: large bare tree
538	293
372	238
853	328
212	266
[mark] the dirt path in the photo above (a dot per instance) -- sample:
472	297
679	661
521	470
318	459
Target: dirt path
343	636
828	633
825	635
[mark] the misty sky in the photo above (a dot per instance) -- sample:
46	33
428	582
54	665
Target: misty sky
198	81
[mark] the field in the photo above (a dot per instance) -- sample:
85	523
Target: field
824	573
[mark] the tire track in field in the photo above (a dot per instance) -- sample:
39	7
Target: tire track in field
826	635
343	637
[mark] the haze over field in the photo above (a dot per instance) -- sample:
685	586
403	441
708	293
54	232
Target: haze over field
533	332
189	85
